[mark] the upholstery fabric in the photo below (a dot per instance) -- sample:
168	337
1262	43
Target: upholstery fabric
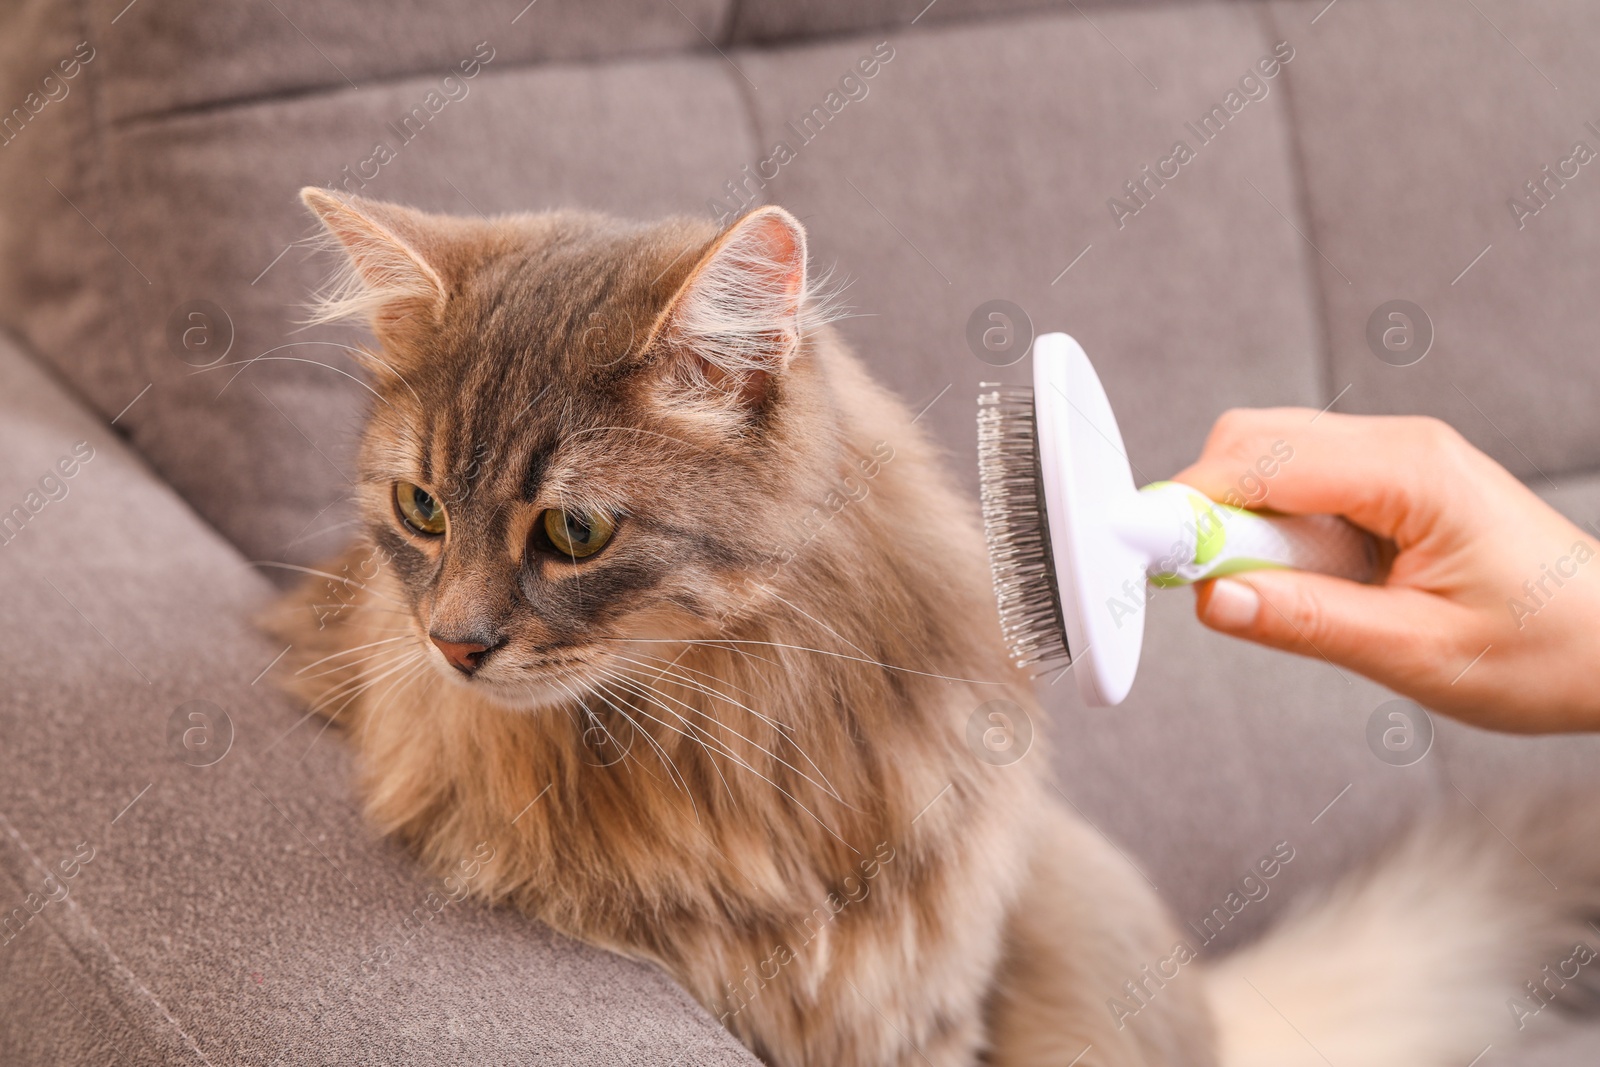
776	21
1458	124
198	56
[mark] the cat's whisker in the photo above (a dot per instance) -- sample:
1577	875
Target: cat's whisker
311	536
354	664
692	670
660	669
365	354
734	757
424	670
784	731
701	735
656	693
347	652
266	358
710	752
412	667
724	641
671	768
333	693
388	670
687	643
366	679
696	740
577	696
598	724
324	574
818	621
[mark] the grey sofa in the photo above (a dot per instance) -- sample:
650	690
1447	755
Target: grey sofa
225	903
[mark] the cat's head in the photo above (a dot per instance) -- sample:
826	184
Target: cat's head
584	433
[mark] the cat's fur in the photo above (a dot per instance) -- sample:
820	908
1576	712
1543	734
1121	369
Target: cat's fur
737	742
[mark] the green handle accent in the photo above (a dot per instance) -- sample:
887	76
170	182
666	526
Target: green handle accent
1220	539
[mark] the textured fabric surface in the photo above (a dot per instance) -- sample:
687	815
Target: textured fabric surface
1472	105
195	54
236	912
777	20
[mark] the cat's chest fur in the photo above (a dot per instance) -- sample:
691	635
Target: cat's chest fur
783	830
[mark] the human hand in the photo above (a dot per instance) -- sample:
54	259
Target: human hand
1491	608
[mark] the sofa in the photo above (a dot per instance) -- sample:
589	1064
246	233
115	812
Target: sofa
1370	206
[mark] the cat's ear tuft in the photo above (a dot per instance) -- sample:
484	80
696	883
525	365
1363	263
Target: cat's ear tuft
735	323
388	279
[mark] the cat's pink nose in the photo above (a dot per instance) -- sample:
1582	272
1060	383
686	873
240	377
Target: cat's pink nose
464	656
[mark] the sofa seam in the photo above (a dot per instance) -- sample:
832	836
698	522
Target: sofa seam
82	921
1040	9
728	31
1300	182
14	874
721	39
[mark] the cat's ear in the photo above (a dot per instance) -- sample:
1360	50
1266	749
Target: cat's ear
389	281
734	323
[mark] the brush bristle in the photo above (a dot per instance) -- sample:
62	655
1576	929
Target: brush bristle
1017	528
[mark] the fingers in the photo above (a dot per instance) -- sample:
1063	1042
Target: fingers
1395	636
1384	474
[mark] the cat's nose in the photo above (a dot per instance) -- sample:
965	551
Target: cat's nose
465	656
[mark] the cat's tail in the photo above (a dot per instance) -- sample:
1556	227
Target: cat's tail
1476	929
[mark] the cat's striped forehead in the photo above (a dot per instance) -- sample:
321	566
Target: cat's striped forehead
535	349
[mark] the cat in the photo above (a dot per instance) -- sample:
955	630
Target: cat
664	598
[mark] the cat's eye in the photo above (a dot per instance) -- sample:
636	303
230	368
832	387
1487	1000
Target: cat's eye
578	532
418	509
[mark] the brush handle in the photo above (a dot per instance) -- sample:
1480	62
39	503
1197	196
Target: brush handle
1215	540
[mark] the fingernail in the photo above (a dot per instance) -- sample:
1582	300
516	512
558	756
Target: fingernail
1232	606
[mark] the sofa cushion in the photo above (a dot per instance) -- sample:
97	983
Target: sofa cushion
1472	105
174	897
777	20
193	54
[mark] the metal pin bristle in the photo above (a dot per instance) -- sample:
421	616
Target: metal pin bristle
1016	527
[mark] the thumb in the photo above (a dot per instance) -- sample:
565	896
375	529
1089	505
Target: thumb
1390	634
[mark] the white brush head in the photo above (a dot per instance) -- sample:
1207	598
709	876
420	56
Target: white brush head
1054	474
1084	469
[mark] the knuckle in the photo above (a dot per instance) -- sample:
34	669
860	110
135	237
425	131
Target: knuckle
1233	431
1437	452
1233	423
1435	435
